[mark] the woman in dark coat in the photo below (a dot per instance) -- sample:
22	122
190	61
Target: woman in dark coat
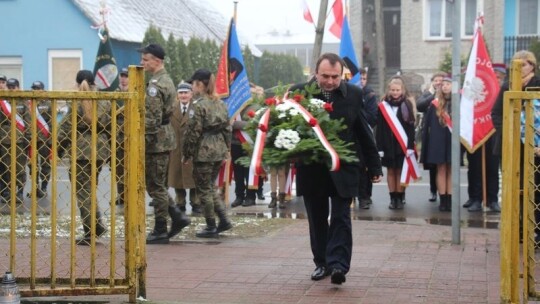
396	100
437	142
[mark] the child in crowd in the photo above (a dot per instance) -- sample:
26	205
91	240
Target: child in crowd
395	136
437	141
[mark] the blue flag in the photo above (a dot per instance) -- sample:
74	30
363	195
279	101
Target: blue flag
346	52
232	83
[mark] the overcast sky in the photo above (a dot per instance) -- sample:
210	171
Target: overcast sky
257	17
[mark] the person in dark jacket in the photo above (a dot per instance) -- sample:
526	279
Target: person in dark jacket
331	245
422	104
371	101
437	142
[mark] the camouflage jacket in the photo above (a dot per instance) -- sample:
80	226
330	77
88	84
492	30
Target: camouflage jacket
84	132
22	133
208	136
160	96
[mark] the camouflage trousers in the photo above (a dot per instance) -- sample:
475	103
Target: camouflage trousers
120	164
205	174
181	195
157	166
6	169
83	184
43	163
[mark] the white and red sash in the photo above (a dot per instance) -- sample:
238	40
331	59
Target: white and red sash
255	167
290	179
410	167
446	117
5	106
242	136
42	125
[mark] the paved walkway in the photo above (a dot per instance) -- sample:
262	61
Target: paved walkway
392	263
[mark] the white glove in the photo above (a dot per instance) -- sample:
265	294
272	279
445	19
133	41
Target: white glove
410	152
381	153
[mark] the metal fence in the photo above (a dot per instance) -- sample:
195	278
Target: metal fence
520	218
43	228
512	44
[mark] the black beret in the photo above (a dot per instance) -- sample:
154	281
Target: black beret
154	49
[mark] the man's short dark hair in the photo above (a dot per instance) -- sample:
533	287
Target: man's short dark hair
332	58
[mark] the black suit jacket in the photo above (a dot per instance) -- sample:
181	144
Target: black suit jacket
316	179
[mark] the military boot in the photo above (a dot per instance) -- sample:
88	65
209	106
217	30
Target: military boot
239	200
179	220
273	200
159	235
210	231
281	200
87	237
224	222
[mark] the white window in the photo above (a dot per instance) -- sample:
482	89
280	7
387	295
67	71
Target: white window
438	18
11	67
63	67
528	17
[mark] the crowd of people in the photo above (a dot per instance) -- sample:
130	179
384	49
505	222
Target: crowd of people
188	136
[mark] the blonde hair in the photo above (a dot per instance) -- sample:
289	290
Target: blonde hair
409	100
527	56
442	107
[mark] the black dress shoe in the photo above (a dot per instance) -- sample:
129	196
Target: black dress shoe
433	197
237	202
319	273
338	276
249	202
468	203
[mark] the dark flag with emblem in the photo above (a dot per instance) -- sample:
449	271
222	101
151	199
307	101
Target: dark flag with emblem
232	83
105	69
346	52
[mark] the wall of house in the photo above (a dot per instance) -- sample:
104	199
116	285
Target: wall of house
126	53
31	28
423	57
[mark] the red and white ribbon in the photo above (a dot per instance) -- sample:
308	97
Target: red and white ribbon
41	123
242	135
221	179
446	117
410	167
255	167
6	109
318	131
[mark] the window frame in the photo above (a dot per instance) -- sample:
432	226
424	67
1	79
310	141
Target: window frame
15	63
518	18
59	53
427	20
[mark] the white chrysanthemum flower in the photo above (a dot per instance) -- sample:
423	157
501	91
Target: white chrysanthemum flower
287	139
293	112
283	107
316	102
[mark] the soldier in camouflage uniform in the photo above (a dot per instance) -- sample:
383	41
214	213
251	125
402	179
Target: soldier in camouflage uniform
43	154
160	140
120	139
21	141
207	142
84	160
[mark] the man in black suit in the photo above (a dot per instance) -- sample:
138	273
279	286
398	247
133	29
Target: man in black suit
331	245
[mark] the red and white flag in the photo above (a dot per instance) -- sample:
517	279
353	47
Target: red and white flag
337	24
480	89
306	12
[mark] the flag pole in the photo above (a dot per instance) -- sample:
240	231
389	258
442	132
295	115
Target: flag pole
226	183
484	178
